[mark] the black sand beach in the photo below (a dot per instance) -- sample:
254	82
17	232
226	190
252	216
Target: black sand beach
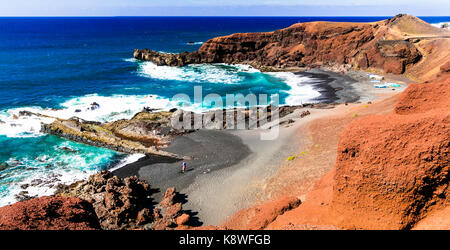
333	87
214	151
209	150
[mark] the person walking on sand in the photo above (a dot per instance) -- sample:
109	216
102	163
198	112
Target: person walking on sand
183	167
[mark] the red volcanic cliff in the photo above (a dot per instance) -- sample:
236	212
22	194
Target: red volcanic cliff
392	170
421	98
49	213
394	46
314	44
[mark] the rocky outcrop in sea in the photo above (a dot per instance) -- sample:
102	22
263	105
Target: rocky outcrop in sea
149	132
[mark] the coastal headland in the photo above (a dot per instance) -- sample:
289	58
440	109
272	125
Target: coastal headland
399	45
362	158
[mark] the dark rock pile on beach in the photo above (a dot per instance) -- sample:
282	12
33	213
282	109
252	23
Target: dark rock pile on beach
168	213
103	202
125	203
385	45
250	118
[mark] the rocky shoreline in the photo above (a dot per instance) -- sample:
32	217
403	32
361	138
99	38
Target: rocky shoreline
137	135
391	170
102	202
336	46
149	132
366	170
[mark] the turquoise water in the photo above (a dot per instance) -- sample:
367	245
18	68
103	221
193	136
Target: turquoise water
55	66
45	161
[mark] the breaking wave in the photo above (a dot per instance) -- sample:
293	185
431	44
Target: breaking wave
37	169
194	43
198	73
439	25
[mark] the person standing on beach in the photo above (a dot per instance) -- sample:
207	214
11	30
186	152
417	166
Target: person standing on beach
183	167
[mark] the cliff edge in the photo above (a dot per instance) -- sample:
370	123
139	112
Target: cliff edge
397	45
391	171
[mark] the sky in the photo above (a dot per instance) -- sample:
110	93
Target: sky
223	8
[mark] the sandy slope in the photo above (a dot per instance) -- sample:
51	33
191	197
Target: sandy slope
316	156
389	168
221	193
266	174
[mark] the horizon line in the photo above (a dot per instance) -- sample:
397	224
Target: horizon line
232	16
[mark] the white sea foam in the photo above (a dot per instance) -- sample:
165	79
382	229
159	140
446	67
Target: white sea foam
130	59
439	25
194	43
14	125
67	167
110	108
199	73
246	68
115	107
47	187
74	167
300	92
128	160
50	179
42	174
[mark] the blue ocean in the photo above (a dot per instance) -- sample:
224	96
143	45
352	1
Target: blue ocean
55	66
